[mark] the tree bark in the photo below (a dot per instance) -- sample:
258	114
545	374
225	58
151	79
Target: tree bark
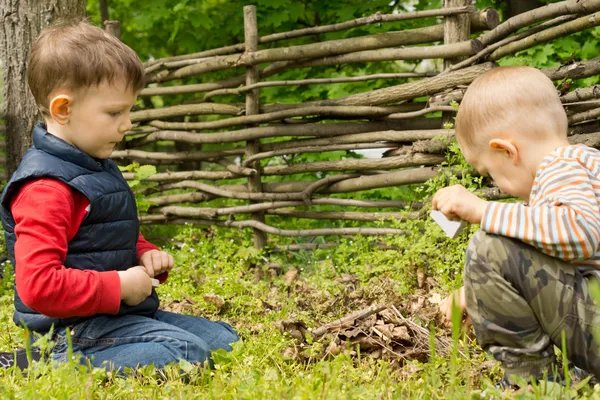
103	5
20	24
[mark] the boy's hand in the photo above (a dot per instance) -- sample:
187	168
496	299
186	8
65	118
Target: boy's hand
136	285
459	299
456	202
156	262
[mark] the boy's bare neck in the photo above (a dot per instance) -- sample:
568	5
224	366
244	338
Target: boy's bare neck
56	129
535	152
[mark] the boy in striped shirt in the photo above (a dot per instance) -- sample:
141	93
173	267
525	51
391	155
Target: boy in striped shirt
529	270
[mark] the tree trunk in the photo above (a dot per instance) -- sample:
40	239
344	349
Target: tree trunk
103	5
20	23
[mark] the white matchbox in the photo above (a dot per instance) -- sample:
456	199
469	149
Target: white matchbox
155	282
451	228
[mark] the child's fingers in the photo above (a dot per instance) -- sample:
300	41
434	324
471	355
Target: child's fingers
149	270
156	260
164	261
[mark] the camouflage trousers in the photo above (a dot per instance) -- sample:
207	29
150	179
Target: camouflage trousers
520	301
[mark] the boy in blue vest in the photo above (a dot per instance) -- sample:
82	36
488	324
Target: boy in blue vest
70	219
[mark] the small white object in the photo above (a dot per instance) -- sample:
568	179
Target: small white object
451	228
155	282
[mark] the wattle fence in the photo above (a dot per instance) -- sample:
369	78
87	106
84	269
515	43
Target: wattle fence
250	151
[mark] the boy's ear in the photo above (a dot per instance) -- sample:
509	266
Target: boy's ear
507	147
60	108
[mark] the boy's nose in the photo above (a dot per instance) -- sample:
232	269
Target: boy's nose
126	126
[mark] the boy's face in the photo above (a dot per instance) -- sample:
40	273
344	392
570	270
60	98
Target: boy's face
99	118
496	163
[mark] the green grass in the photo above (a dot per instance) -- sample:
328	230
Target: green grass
221	262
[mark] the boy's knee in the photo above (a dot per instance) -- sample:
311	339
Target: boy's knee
484	251
226	336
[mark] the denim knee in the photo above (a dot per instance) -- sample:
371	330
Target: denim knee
226	337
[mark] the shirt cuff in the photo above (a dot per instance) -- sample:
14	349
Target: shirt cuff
110	299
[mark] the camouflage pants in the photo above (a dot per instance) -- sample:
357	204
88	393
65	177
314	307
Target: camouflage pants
520	301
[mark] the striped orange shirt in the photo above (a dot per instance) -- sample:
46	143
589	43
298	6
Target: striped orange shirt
562	218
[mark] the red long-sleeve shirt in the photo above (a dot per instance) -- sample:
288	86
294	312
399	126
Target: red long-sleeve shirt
48	214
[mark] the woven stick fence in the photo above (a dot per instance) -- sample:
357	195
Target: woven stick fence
258	142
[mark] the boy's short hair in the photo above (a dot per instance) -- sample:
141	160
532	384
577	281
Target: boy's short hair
73	54
510	99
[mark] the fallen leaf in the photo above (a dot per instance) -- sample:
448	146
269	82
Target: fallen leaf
297	329
290	276
435	298
291	353
215	299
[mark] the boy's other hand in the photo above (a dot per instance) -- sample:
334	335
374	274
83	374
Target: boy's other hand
456	202
458	297
136	285
156	262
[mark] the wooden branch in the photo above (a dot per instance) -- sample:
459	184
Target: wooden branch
483	20
240	171
183	110
193	197
537	15
589	139
176	156
369	137
372	19
465	48
486	19
457	28
360	112
204	87
201	197
547	35
356	164
395	178
275	208
584	116
167	176
252	108
319	81
346	215
427	110
276	231
576	70
289	147
321	183
588	127
349	319
410	90
221	192
323	49
140	131
317	149
318	130
447	96
491	48
303	246
581	94
393	108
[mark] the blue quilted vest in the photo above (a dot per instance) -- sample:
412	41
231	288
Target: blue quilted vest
107	237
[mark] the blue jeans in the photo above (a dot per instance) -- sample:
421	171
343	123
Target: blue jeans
115	342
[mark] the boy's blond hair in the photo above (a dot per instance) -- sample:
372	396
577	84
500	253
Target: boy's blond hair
75	55
519	100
